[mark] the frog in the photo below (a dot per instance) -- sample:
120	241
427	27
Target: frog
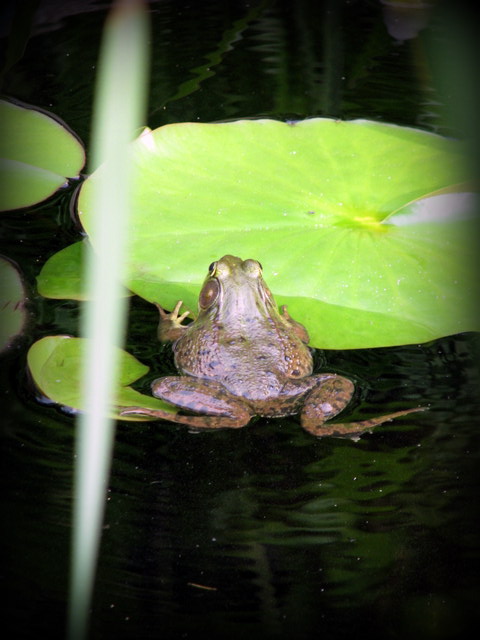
243	356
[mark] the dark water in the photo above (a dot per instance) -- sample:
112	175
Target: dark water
263	532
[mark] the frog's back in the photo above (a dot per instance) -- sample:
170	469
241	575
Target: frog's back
254	361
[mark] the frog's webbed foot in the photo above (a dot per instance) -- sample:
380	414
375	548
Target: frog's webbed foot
170	327
219	409
327	399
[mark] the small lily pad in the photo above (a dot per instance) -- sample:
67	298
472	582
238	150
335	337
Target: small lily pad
320	203
55	365
37	155
62	275
13	314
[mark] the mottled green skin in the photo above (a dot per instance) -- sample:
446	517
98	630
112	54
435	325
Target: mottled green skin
243	357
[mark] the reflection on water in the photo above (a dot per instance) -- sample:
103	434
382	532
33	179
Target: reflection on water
265	531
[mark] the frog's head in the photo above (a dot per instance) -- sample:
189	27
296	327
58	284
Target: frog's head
235	288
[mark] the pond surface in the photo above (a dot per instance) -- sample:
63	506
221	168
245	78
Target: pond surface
266	531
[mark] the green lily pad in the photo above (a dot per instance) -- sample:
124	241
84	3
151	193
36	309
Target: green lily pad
37	154
55	365
13	314
330	208
62	275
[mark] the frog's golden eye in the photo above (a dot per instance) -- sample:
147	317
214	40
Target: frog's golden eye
252	267
211	268
208	294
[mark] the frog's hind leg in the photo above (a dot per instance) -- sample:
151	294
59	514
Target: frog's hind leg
197	422
330	396
218	409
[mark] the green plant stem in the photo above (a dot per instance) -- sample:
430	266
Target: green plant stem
118	111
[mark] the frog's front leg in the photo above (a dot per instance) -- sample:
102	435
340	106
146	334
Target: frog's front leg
170	326
297	328
332	394
208	397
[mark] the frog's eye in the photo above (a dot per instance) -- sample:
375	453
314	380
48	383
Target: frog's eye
208	294
253	268
211	268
